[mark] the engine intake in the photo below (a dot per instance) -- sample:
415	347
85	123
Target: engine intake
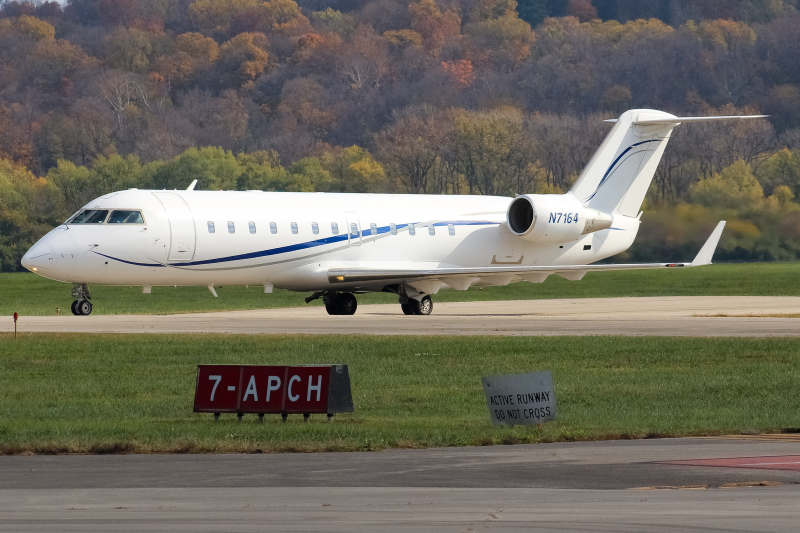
553	218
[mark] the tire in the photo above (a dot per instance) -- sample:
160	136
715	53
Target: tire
346	303
423	307
75	308
331	308
84	307
407	309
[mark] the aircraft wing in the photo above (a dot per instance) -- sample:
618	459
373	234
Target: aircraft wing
461	278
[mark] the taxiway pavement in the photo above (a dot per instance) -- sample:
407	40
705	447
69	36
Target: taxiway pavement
592	486
696	316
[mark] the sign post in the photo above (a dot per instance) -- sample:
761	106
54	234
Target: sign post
16	316
270	389
520	399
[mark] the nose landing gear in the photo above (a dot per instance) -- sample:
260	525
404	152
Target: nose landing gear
81	306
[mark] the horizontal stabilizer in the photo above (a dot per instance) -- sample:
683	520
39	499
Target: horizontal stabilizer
679	120
683	120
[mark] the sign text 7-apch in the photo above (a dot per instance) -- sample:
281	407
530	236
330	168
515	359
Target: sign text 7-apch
271	389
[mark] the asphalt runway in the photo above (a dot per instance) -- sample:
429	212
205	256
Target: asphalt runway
592	486
697	316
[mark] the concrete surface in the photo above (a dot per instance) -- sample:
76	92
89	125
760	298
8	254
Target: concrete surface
596	486
670	316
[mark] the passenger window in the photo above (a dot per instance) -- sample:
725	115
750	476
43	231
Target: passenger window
431	230
90	216
273	228
334	228
393	228
412	230
252	226
315	228
373	228
451	229
211	228
354	229
294	228
120	216
231	227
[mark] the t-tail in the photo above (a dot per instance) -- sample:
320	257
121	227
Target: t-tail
616	179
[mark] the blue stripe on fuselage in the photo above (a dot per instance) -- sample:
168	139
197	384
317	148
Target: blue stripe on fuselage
295	247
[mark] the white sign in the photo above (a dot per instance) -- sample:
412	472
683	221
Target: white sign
520	399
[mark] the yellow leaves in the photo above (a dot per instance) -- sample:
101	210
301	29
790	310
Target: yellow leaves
402	39
726	34
742	228
222	17
616	32
735	187
34	28
197	47
217	16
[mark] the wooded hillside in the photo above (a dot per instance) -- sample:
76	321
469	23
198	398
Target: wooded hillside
435	96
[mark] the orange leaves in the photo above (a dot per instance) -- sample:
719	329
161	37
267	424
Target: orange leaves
461	71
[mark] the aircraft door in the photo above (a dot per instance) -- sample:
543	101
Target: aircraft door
353	228
181	226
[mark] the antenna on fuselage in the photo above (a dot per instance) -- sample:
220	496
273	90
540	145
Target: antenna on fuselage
191	187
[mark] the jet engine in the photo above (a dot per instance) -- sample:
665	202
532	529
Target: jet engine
553	218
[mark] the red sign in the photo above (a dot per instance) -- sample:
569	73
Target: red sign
272	389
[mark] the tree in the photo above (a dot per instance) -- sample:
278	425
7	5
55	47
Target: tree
409	147
491	150
734	187
242	60
212	167
29	207
128	49
353	169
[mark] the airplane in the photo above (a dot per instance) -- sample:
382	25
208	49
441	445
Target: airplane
337	245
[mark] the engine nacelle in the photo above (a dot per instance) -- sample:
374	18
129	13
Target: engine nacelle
555	218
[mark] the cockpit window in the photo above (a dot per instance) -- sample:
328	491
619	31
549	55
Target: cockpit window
119	216
90	216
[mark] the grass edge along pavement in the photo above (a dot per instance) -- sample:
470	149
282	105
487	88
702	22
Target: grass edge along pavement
113	393
29	294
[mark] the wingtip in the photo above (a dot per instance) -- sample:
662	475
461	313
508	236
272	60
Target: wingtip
705	254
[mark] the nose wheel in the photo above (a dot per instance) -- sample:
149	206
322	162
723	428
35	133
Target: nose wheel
81	306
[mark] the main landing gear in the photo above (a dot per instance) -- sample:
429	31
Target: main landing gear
82	305
344	303
336	303
410	306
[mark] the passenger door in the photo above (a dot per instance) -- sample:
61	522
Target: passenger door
183	235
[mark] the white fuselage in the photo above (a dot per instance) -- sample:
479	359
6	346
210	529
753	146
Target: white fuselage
290	240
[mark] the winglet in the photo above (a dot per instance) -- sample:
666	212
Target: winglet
703	257
191	187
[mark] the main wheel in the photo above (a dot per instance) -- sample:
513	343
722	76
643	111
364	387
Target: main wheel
422	307
84	307
75	308
346	303
330	307
407	309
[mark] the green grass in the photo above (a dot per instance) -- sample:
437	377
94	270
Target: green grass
29	294
66	393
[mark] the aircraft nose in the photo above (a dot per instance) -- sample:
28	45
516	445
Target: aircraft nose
38	256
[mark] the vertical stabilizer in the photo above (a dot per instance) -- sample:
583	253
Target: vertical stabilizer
617	177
